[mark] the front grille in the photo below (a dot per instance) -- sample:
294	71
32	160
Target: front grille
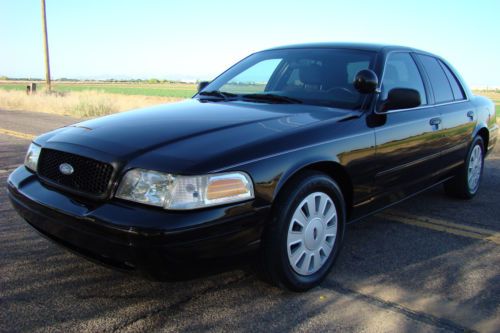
89	177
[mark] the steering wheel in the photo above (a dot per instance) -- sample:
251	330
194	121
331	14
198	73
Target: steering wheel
342	89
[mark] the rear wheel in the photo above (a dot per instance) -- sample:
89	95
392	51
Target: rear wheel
306	232
466	182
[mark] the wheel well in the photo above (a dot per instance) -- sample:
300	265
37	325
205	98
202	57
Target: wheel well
483	132
338	173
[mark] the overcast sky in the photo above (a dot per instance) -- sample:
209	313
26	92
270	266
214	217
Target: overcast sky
186	39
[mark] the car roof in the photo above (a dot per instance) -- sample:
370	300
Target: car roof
346	45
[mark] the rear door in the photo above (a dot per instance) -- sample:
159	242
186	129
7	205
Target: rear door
457	114
408	141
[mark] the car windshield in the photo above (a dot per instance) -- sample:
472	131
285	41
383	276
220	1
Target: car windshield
309	76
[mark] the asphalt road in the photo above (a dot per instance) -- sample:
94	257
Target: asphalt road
429	264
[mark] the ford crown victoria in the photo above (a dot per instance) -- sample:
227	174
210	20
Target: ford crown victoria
275	155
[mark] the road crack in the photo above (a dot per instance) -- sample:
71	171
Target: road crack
395	307
176	306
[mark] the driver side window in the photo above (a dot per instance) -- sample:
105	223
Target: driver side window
402	72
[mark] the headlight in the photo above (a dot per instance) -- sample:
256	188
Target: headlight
31	159
184	192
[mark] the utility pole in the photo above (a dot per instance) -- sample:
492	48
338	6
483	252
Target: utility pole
46	47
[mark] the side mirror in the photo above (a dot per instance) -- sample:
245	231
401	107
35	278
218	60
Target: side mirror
202	85
401	98
366	81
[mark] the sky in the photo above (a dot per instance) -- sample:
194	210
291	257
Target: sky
190	39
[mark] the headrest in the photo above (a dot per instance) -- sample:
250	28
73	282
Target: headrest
312	74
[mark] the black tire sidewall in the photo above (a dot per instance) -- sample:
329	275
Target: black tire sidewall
309	183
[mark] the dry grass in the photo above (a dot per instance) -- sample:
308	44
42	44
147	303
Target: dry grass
82	104
86	104
492	94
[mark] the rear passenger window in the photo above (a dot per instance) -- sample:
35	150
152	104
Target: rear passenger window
458	92
439	81
402	72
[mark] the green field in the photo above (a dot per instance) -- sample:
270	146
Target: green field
175	90
180	90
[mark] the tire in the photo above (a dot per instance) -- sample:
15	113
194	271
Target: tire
466	182
300	244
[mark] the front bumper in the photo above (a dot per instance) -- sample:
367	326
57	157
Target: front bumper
132	236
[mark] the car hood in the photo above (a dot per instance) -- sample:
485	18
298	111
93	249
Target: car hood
181	135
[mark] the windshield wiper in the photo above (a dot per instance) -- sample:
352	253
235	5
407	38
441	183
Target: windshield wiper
216	93
273	98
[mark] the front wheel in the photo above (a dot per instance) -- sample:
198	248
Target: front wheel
306	232
466	182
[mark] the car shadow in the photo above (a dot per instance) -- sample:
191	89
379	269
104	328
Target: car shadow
389	275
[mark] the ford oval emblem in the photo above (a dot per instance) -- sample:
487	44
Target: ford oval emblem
66	169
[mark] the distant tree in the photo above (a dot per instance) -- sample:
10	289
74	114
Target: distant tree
4	78
153	81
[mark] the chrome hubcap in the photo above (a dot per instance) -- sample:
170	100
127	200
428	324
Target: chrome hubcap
312	233
475	167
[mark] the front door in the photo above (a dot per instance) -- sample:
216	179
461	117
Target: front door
408	141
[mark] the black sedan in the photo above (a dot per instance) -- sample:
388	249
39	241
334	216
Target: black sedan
275	155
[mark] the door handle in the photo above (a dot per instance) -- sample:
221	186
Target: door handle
470	114
435	121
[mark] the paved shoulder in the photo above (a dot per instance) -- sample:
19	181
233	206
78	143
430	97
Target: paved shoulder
34	123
